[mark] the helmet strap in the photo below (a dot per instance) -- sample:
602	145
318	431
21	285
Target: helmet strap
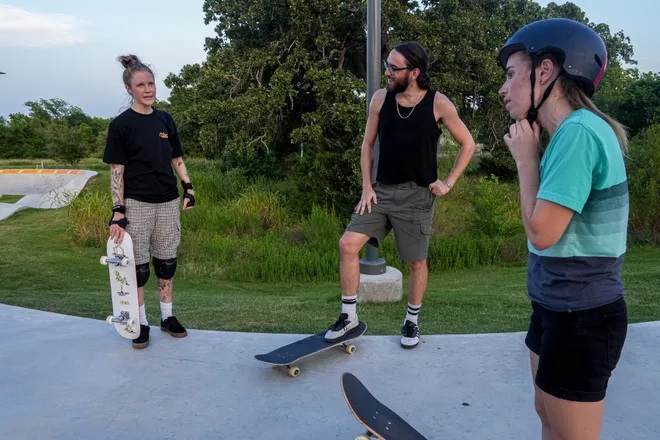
533	112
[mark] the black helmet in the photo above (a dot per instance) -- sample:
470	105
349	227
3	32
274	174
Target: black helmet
580	49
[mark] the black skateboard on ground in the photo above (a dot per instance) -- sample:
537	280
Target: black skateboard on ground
287	355
380	421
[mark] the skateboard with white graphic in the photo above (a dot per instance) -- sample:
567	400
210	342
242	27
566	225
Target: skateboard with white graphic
123	287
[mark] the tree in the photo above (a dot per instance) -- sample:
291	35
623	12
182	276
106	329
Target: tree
69	144
643	163
639	107
4	135
23	138
284	80
55	109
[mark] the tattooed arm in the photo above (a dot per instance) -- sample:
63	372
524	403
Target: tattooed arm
182	173
117	188
117	183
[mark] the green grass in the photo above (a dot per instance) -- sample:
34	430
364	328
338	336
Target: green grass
43	268
10	198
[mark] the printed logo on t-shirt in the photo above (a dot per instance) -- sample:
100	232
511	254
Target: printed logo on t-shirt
163	135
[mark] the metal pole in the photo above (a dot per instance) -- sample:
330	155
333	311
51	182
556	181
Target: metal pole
372	264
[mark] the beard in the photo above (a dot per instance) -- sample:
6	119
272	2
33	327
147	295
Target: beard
399	85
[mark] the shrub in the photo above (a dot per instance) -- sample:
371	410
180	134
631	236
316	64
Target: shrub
496	209
644	181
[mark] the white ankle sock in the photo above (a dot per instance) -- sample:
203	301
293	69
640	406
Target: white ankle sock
348	306
413	313
165	310
143	316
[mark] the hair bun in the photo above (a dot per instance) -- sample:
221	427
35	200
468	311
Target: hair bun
128	60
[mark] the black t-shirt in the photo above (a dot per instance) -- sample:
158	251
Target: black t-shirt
145	145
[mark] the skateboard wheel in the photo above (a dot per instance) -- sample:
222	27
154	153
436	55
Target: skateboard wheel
294	371
363	437
131	322
108	319
124	261
350	349
104	260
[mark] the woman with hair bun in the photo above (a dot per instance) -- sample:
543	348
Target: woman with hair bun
144	153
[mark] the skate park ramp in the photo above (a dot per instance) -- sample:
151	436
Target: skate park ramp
64	377
41	188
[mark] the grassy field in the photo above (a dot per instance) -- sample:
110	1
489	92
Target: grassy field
42	268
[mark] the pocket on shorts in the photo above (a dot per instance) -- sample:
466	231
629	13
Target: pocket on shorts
426	228
616	324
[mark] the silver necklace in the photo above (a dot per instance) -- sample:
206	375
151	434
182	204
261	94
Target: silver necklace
413	109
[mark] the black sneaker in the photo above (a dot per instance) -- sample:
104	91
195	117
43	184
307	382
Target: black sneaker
409	335
142	341
340	328
172	326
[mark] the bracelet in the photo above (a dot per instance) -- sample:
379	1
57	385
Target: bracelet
449	185
186	185
119	208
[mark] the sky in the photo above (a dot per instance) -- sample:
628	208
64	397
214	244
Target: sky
67	49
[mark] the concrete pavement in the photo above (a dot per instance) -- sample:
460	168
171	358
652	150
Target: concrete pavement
63	377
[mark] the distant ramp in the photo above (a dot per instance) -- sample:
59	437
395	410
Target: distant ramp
42	189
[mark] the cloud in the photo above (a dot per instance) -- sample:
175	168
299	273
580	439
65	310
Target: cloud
23	28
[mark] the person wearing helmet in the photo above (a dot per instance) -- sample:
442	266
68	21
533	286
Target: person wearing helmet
574	203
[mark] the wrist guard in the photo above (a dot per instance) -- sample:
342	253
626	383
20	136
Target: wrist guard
190	197
187	187
122	222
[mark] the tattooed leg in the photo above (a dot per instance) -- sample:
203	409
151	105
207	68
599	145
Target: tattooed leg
164	290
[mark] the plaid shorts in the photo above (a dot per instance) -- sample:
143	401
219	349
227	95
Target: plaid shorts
155	228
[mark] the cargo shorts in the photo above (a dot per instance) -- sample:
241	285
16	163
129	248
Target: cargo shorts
406	208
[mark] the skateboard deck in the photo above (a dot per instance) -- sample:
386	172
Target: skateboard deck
123	287
380	421
287	355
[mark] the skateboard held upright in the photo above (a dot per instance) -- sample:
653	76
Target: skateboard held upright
287	355
380	421
123	287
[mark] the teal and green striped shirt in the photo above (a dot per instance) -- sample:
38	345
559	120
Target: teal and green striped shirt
582	169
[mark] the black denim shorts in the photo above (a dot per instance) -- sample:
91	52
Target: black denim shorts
577	350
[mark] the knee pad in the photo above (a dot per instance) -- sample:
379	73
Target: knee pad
164	269
142	273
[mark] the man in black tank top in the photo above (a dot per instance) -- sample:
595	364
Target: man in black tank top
406	117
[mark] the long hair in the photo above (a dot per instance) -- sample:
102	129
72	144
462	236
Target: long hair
417	57
578	99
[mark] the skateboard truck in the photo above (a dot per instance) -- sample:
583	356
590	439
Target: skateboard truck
295	371
117	260
123	318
